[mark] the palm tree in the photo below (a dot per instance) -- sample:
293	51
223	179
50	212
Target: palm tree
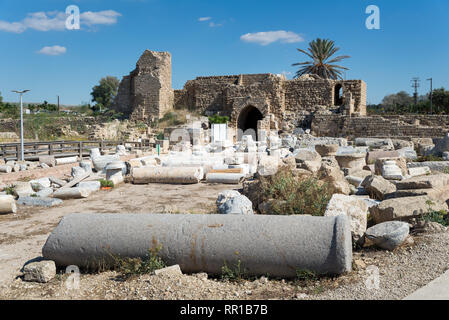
321	50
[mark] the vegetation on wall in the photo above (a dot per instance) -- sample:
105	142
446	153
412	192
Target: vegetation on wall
217	119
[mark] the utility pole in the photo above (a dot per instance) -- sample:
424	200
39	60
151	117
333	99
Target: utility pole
58	104
21	123
415	85
431	94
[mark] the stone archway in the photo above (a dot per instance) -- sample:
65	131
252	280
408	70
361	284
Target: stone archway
247	122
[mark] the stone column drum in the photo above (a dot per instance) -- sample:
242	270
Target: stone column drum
265	244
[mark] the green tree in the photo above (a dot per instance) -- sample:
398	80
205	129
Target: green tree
1	99
104	93
397	101
440	99
322	64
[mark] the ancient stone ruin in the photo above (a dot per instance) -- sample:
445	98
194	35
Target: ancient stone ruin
251	101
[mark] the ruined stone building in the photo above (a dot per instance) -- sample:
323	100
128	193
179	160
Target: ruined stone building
251	101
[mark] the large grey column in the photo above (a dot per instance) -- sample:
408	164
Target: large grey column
273	245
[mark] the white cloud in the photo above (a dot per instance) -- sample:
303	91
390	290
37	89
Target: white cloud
204	18
213	24
268	37
101	17
53	51
55	21
15	27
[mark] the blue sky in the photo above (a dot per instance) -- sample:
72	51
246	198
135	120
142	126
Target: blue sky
207	37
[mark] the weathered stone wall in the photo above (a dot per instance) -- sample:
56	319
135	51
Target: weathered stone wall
147	94
308	93
380	126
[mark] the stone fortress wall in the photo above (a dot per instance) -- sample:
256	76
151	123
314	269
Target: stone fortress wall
268	101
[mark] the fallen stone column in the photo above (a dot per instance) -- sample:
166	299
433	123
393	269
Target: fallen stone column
100	162
72	193
7	204
5	169
67	160
274	245
187	175
226	178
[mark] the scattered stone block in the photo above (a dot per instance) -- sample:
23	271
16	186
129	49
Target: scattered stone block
232	202
66	160
419	171
22	189
400	162
5	169
44	193
41	271
326	150
308	159
71	193
405	208
40	184
49	161
351	162
388	235
391	171
355	209
372	156
268	165
91	185
424	182
7	204
175	175
378	187
57	181
39	202
169	271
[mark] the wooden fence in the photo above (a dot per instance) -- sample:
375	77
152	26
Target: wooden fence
59	149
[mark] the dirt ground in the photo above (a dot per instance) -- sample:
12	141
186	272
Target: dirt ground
23	235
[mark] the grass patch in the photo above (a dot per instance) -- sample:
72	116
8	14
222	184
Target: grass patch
429	158
441	217
10	190
132	267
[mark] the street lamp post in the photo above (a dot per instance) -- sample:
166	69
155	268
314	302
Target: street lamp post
431	94
22	157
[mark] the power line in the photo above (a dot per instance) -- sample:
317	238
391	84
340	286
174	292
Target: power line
415	85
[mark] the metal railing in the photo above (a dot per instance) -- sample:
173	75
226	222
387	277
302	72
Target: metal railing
59	149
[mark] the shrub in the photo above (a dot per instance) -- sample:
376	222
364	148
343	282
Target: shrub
295	195
235	272
130	267
106	183
441	217
217	119
10	190
160	136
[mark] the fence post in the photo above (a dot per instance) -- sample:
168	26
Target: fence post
81	150
17	152
50	149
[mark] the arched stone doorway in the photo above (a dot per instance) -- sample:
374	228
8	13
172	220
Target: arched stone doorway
247	122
